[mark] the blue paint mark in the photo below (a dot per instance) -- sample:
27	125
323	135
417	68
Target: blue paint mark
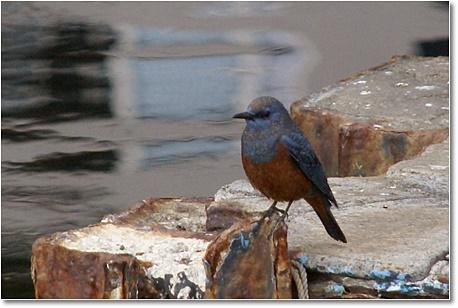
381	286
302	259
436	287
409	288
244	241
385	280
400	287
380	274
401	277
348	271
237	247
333	269
336	289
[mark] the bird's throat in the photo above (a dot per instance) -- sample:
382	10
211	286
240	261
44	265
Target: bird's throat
259	148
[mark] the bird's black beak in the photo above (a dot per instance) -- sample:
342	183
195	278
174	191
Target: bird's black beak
243	115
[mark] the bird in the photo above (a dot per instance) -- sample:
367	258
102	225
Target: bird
279	161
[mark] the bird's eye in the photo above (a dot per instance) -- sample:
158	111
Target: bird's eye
264	114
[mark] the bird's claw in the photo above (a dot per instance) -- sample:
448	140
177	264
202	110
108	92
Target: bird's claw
272	209
285	215
268	213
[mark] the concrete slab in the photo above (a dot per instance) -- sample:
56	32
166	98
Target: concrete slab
406	93
374	119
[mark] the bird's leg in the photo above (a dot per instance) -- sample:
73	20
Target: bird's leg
285	211
287	208
269	210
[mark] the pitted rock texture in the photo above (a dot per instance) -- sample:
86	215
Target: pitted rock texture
153	250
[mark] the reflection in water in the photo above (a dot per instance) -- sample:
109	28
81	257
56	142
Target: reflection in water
94	161
45	195
204	75
167	88
51	209
55	71
18	134
50	74
225	9
179	151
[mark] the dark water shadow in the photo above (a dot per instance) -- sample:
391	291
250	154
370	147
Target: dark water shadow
184	150
433	48
89	161
15	134
56	72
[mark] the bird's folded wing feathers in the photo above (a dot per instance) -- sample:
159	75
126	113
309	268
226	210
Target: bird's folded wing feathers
302	153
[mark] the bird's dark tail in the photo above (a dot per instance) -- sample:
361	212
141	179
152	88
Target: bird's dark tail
323	208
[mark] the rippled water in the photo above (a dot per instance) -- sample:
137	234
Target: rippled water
101	109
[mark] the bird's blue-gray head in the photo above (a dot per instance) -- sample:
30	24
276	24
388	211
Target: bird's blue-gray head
265	113
266	120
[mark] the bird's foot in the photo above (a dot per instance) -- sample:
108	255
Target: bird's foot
284	215
272	209
267	213
285	211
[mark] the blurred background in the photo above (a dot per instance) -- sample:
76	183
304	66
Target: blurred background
107	103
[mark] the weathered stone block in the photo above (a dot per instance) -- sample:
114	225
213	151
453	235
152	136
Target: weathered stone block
60	272
368	122
156	249
249	260
145	252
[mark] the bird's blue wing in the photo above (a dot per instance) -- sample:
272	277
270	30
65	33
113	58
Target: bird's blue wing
302	153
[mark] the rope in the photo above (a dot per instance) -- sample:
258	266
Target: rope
300	279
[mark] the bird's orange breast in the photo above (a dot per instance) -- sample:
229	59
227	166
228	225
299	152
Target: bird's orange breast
279	179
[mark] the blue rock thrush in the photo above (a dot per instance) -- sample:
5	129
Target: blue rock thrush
280	162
